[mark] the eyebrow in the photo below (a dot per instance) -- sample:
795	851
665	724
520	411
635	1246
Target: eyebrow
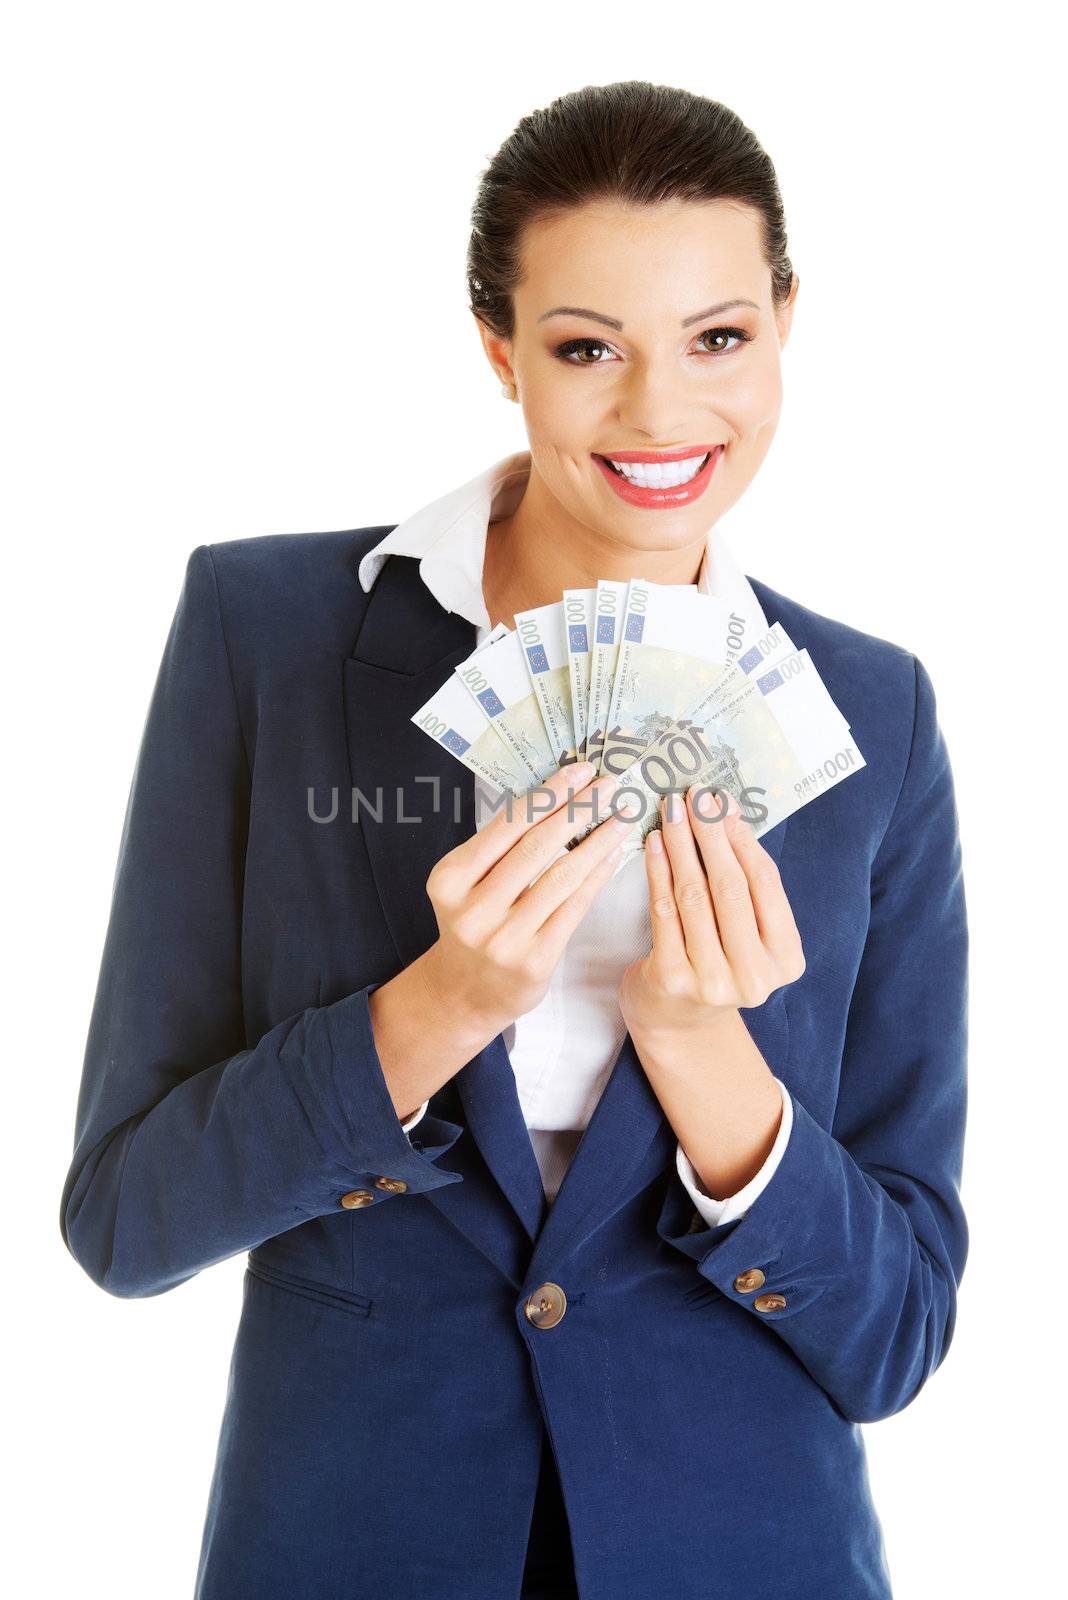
614	322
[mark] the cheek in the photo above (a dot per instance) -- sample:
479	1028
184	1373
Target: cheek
754	401
558	413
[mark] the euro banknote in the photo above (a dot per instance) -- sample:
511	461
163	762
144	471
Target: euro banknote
578	606
662	685
672	644
608	604
543	636
774	739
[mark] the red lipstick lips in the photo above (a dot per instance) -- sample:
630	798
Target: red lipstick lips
663	497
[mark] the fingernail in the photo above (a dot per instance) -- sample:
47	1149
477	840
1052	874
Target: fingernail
655	841
581	772
673	804
627	812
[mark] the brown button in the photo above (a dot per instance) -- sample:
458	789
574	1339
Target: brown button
752	1278
770	1302
394	1185
357	1197
546	1305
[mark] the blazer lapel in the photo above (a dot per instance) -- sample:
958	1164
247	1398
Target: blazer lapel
415	802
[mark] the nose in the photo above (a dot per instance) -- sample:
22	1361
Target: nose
653	400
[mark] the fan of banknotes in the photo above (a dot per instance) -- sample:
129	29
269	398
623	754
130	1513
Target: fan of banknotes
661	685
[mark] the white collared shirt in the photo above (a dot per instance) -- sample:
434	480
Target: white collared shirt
563	1050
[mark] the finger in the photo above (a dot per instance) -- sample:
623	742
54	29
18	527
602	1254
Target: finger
554	932
728	883
669	942
535	847
692	894
566	877
517	814
771	905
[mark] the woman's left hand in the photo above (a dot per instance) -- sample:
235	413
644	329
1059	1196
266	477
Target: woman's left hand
724	935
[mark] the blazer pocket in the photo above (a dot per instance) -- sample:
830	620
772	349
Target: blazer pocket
327	1294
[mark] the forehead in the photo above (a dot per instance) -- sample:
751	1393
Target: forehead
711	249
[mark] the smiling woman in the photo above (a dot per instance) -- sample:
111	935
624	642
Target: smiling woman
636	246
677	1206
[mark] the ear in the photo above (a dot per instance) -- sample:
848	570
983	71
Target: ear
784	315
498	352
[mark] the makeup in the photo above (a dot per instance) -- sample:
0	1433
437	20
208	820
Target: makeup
658	496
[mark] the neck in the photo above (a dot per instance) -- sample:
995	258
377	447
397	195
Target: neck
539	550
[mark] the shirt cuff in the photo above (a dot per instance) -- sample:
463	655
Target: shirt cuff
716	1212
414	1118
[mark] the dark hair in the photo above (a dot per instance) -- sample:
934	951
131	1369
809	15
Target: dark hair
634	142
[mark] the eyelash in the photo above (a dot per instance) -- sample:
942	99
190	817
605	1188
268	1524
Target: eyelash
570	346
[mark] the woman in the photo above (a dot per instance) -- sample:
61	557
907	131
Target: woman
320	1038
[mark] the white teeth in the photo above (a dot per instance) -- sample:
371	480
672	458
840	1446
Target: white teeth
659	475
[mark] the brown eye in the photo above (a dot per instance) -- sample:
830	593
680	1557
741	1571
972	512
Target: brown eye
575	347
724	333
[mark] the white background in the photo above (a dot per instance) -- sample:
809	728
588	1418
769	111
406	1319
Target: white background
234	305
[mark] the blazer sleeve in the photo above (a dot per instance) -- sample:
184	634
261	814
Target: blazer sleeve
860	1238
191	1144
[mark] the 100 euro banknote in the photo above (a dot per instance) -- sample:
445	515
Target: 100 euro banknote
673	646
774	740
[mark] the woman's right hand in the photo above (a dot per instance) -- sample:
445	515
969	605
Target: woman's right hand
500	934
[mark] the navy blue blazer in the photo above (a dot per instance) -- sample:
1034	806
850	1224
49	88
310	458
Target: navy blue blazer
405	1399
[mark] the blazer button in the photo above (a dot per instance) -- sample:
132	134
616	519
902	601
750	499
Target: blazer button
546	1305
393	1185
770	1302
752	1278
357	1197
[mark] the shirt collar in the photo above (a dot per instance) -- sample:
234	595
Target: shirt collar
448	538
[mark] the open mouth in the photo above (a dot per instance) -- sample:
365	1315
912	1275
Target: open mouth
658	474
667	482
